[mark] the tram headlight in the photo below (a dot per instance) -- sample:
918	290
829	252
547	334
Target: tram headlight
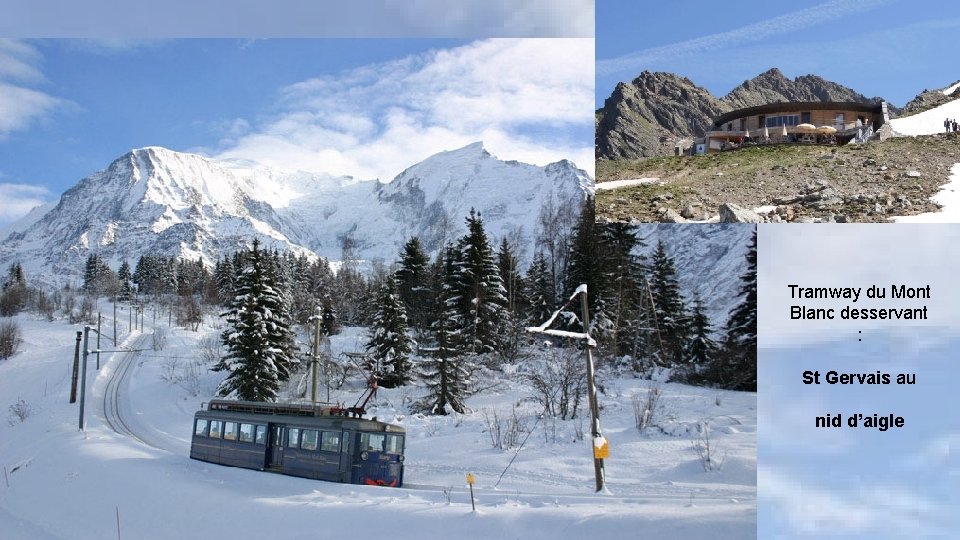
364	455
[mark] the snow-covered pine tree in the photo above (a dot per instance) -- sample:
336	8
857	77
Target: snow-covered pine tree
389	342
538	291
98	278
671	313
622	271
737	367
125	280
413	284
701	347
478	292
13	298
224	274
260	346
444	372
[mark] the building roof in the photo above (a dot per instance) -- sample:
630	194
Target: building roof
800	106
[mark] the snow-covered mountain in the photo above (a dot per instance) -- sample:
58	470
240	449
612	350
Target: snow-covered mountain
930	121
709	258
156	201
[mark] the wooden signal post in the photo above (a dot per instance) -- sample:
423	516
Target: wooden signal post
600	447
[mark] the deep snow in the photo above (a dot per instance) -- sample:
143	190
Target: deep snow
64	483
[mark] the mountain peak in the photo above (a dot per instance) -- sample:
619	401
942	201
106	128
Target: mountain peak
475	148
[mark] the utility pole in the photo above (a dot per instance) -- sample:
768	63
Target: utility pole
98	340
318	318
114	321
83	375
599	444
76	369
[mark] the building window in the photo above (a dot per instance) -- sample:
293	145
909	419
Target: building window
838	120
805	118
783	120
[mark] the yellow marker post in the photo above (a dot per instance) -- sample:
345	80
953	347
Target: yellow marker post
601	448
470	480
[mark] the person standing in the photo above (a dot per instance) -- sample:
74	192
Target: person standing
946	124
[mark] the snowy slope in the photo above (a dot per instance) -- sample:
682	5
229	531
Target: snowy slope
927	122
657	487
157	201
710	260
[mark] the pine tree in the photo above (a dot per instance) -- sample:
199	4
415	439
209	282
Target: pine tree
445	372
737	368
15	277
13	297
671	317
701	348
477	291
412	284
389	341
584	266
259	341
621	298
125	280
224	274
538	291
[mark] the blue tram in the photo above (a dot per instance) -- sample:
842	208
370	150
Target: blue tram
324	443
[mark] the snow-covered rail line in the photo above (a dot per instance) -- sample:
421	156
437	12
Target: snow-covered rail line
112	393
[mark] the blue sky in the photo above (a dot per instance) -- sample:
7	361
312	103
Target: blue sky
362	107
296	18
888	48
857	483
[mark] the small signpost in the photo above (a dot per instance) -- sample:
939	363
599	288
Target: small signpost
470	480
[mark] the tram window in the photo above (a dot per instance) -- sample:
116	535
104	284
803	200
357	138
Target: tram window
394	444
201	429
215	428
330	441
371	441
309	441
261	435
230	431
293	436
246	432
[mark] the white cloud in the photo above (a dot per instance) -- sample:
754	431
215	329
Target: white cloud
776	26
21	105
869	508
18	199
530	100
17	61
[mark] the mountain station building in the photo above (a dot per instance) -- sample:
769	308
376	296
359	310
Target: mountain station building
819	122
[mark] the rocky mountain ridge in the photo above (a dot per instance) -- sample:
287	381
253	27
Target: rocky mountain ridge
646	117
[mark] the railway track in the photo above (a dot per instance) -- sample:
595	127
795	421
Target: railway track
113	411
